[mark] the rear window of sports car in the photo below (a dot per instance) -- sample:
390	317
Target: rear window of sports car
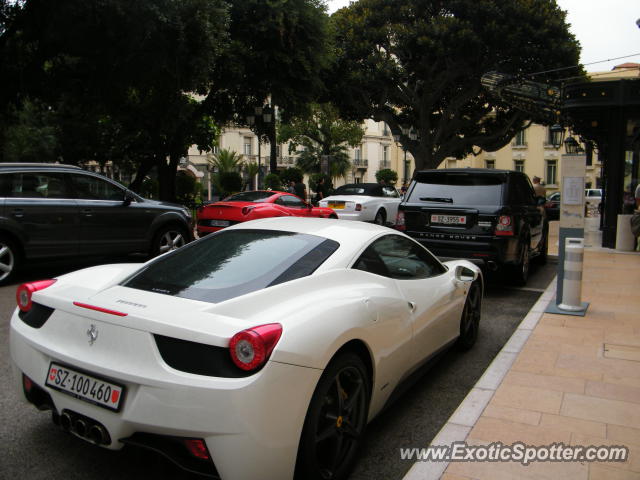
232	263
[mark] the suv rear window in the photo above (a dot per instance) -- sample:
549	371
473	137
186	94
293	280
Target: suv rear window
458	188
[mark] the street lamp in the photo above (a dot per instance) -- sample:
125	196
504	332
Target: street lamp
557	134
572	147
257	122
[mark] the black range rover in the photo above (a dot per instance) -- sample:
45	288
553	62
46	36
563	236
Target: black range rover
484	215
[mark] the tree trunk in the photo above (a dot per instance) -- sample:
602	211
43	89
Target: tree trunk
144	168
273	148
167	177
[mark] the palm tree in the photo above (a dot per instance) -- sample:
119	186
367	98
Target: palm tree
251	169
226	161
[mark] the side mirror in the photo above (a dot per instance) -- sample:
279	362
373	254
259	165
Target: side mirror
465	274
128	198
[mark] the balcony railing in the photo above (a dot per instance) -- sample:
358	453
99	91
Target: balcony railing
360	163
385	163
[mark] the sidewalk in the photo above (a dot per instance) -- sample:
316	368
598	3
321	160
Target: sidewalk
560	378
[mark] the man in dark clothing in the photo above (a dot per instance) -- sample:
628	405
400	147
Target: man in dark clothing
300	190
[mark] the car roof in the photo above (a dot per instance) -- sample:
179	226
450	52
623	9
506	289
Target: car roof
475	171
344	232
36	166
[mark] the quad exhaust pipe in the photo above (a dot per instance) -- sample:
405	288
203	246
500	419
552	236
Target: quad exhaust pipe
83	427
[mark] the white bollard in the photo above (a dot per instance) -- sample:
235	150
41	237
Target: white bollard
572	281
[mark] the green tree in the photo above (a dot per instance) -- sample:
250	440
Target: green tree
32	136
229	182
278	58
226	161
388	176
418	63
321	132
128	70
272	181
291	174
251	169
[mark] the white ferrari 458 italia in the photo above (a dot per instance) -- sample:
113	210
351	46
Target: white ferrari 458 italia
258	352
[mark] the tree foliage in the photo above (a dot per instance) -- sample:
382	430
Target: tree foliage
321	131
418	63
387	176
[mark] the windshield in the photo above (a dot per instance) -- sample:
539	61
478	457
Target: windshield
255	196
458	188
232	263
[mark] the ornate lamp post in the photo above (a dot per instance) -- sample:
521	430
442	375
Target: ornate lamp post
258	123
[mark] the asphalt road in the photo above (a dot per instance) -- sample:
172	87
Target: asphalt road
32	447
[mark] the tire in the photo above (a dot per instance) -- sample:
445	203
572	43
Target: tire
168	238
544	250
381	217
471	315
521	269
335	422
9	259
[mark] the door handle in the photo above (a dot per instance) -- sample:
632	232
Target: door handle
18	212
412	306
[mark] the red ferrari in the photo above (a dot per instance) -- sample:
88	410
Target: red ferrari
245	206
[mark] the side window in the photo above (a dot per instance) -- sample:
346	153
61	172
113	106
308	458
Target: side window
290	201
400	258
34	185
93	188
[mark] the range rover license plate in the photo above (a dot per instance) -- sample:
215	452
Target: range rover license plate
449	219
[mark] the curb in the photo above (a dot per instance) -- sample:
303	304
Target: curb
468	412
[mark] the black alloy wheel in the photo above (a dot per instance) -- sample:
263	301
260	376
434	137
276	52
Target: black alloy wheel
335	421
470	321
521	269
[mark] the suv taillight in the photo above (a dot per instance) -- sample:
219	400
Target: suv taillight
251	348
26	290
505	225
400	225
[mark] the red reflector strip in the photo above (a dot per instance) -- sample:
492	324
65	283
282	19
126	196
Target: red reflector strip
100	309
504	233
197	448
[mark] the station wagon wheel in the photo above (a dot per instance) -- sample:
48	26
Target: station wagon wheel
380	217
168	239
470	321
335	421
9	258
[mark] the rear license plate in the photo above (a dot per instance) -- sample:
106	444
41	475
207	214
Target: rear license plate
219	223
86	387
449	219
336	205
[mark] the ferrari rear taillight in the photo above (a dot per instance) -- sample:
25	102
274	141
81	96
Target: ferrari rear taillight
26	291
505	225
251	348
246	210
400	225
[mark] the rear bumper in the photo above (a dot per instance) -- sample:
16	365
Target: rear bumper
251	426
501	250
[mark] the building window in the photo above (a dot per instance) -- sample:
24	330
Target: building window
247	145
357	153
385	130
552	171
385	154
518	165
490	164
520	139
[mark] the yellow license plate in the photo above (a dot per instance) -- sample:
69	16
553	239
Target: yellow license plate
336	205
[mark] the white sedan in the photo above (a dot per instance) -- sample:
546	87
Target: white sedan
367	202
260	351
